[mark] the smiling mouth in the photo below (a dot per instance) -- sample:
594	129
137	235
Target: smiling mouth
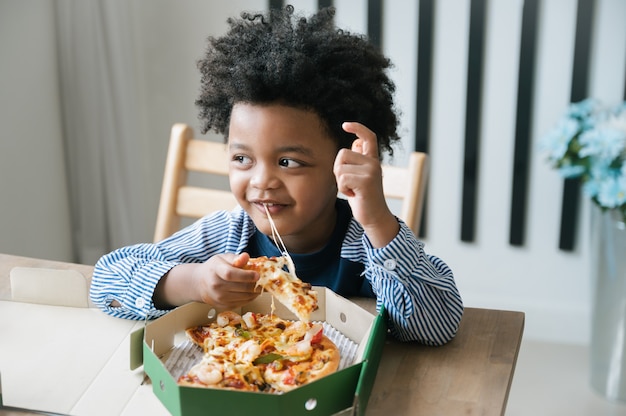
271	206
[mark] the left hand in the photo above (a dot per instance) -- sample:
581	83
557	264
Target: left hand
359	178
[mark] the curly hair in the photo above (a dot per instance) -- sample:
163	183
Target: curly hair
303	63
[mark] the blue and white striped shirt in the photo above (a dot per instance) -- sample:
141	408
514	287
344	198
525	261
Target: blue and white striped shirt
417	289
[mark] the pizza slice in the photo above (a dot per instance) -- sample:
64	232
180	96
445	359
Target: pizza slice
300	355
292	292
302	363
220	369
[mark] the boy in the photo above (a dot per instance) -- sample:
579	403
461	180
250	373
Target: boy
307	111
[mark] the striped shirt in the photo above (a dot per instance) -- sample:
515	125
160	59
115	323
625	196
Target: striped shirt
417	290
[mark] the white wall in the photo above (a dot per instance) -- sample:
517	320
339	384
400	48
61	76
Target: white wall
551	286
34	206
169	39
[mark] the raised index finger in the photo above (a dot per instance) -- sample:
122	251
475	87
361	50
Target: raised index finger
366	142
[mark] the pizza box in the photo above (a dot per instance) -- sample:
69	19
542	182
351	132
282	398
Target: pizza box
349	387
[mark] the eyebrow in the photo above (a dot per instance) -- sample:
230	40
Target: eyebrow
284	149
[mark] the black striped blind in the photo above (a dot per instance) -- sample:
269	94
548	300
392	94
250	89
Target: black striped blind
426	14
523	123
276	4
324	3
580	75
472	119
375	22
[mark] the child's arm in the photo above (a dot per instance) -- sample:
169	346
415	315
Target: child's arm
417	289
145	280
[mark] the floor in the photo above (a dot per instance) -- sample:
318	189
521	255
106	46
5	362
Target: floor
552	380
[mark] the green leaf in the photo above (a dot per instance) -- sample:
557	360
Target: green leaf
242	333
268	358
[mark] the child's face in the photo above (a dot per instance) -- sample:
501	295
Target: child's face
284	157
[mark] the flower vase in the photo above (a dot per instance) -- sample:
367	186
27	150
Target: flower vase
608	325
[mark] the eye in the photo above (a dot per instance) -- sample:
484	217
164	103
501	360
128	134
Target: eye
242	159
289	163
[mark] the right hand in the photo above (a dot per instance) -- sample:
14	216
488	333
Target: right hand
223	282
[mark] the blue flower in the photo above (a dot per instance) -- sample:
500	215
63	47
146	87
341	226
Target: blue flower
591	188
556	142
604	142
583	110
571	171
589	142
612	192
597	176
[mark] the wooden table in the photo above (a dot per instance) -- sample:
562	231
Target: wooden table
471	375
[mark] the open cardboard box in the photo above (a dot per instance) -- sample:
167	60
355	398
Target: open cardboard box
62	356
348	387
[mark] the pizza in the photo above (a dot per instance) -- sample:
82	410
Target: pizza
260	353
278	277
284	285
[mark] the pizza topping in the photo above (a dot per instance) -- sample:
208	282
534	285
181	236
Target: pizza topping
295	332
248	351
273	356
228	318
301	350
268	358
208	374
314	334
240	332
249	318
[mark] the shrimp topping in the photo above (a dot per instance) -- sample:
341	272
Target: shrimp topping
207	373
295	332
249	318
248	351
301	350
228	318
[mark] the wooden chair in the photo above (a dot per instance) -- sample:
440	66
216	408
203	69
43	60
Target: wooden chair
186	154
179	200
408	184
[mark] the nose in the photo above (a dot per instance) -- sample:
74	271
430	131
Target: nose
263	177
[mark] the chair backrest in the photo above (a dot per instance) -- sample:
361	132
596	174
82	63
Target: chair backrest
179	200
408	185
187	154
